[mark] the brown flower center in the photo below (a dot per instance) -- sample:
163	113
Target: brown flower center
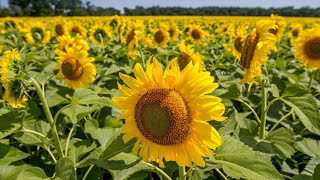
163	117
274	31
159	36
183	60
171	32
75	30
248	48
238	44
295	33
59	29
195	34
312	48
72	69
130	36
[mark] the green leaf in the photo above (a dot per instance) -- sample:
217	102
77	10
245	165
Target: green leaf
295	90
306	108
274	90
55	96
127	165
33	173
240	161
37	126
87	96
309	169
233	92
103	135
10	121
76	112
89	160
64	169
316	173
118	162
279	142
309	147
302	177
10	172
116	146
10	154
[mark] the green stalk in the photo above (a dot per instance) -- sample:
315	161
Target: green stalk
158	170
283	118
252	110
182	172
311	79
49	117
263	109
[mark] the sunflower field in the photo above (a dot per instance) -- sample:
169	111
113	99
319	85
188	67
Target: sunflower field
160	98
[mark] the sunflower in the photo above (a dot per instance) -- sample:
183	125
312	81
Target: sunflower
256	48
239	38
295	29
60	28
75	67
187	55
68	41
134	35
161	36
100	34
280	23
173	31
10	64
307	48
37	33
196	33
76	29
167	111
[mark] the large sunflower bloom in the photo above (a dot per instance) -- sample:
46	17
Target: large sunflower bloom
168	112
161	36
10	65
75	67
307	48
256	48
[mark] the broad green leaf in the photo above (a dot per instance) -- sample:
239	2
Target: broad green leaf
10	154
279	142
103	135
76	112
308	146
120	161
302	177
295	90
240	161
309	169
129	165
274	90
10	172
87	96
116	146
78	148
55	96
233	92
30	134
89	160
32	173
10	121
316	173
65	169
306	108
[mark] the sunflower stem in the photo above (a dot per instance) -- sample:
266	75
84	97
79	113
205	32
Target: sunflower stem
252	110
312	74
221	174
68	140
49	117
87	173
263	109
156	169
182	172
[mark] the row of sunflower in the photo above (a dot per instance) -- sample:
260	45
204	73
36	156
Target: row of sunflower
90	94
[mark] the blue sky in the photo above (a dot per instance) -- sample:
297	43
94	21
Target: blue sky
120	4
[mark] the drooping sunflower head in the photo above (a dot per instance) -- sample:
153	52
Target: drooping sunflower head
10	66
167	111
280	23
239	38
161	36
256	48
307	48
37	33
75	67
68	41
100	34
188	55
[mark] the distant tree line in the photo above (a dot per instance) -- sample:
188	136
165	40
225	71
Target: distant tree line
78	8
55	8
222	11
